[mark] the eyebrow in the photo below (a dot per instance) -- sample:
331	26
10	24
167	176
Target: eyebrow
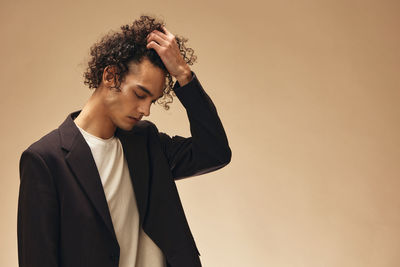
146	90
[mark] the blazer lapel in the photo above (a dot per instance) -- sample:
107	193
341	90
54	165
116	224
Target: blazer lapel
134	144
80	160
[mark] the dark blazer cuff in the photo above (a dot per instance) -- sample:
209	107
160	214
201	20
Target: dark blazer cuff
191	94
178	87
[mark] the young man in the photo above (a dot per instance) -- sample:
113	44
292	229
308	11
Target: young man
100	189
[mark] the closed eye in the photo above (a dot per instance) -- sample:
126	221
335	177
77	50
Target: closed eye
140	96
144	96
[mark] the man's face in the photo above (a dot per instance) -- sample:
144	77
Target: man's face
143	85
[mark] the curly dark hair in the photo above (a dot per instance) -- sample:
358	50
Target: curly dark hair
128	45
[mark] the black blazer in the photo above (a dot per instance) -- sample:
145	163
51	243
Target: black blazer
63	216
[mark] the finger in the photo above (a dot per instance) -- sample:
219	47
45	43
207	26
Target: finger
168	33
161	34
155	46
157	38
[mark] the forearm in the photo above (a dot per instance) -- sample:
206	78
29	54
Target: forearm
185	77
207	149
205	125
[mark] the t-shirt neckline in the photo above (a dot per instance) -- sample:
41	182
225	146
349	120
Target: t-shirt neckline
108	140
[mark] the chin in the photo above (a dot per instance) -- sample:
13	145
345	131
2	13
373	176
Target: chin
125	124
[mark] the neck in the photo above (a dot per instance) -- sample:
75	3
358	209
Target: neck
94	119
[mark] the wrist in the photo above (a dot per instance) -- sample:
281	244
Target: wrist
185	77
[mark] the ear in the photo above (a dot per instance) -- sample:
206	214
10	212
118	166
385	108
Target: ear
110	76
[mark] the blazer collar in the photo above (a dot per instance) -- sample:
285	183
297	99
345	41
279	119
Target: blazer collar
82	164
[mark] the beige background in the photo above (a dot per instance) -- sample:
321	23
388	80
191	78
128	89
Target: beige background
308	92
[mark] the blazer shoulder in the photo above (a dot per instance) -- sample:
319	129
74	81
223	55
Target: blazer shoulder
46	145
144	124
142	127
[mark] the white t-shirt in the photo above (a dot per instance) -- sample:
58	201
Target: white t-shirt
137	249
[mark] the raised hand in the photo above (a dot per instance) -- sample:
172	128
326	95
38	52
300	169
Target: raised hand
167	48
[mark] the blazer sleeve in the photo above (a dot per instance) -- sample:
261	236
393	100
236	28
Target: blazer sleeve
207	149
38	214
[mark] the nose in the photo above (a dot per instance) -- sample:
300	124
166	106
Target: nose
144	109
